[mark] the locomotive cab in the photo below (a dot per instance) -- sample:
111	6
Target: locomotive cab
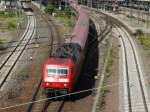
57	76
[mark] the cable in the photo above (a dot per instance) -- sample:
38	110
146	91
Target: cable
74	93
37	101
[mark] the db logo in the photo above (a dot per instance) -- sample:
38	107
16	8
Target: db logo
56	79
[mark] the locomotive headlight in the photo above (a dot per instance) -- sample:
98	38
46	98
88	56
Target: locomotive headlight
65	85
47	84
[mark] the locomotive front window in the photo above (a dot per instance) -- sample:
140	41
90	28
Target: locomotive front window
62	71
52	70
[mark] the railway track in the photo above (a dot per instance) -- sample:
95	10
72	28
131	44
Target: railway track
56	107
135	94
12	58
102	32
53	30
135	97
99	23
55	42
16	46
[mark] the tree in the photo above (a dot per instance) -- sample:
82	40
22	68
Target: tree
49	8
67	12
139	32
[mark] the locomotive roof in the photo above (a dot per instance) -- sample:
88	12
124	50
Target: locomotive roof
59	61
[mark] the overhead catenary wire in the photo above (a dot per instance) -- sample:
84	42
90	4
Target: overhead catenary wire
74	93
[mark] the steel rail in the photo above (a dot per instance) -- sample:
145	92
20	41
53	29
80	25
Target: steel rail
107	28
60	106
104	32
144	94
139	76
51	25
34	96
46	104
18	45
96	18
20	54
127	73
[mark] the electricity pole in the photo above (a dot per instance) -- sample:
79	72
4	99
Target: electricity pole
91	3
138	11
98	4
131	4
148	14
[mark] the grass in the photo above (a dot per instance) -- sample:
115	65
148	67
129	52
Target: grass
104	91
67	23
65	19
145	42
110	61
8	21
7	24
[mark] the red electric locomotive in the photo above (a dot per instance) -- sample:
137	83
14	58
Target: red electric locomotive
61	71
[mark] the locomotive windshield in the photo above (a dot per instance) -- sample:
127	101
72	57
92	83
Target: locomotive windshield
52	70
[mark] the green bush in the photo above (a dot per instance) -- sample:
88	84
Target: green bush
139	32
69	23
11	14
7	13
60	13
67	12
49	8
11	25
145	42
2	12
